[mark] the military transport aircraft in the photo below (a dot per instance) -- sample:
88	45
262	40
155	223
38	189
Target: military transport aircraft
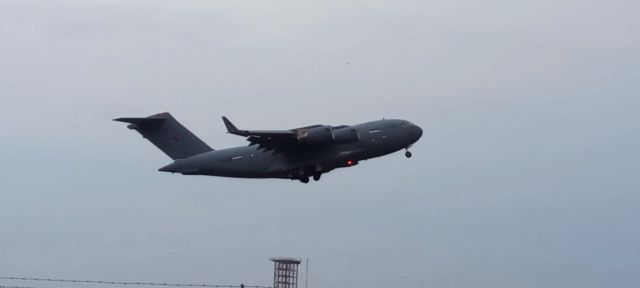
295	154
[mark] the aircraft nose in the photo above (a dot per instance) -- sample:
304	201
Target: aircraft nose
415	132
418	131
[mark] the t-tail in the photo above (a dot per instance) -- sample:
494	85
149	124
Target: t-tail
168	135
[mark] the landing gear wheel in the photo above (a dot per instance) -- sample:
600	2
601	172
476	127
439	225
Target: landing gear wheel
407	154
316	177
304	180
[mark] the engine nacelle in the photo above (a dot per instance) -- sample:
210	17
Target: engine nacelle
346	135
317	135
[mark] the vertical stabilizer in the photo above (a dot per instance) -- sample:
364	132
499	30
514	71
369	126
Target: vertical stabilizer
168	135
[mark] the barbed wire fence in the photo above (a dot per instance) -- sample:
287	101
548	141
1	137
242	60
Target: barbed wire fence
120	283
16	286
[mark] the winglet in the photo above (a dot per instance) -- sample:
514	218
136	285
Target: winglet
232	129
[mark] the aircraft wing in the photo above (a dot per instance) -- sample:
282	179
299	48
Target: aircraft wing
273	139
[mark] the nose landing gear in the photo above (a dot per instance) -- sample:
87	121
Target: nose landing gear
408	153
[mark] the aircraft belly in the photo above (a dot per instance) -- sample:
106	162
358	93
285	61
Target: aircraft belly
242	162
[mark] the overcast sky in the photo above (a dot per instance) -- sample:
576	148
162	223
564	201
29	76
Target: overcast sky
526	175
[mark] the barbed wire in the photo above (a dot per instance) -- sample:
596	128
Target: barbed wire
1	286
121	283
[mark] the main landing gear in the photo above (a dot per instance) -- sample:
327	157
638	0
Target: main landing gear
305	179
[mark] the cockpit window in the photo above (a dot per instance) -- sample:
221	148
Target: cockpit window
405	123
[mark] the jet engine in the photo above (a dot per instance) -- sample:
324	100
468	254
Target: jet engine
327	134
346	135
317	135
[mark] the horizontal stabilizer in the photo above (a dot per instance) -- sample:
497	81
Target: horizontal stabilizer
147	120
